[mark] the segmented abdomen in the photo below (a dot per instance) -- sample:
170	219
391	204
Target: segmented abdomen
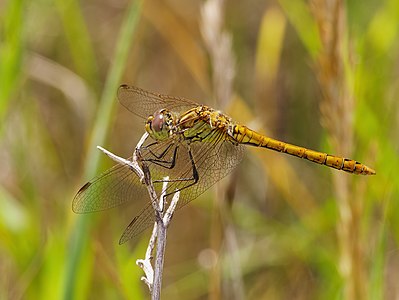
244	135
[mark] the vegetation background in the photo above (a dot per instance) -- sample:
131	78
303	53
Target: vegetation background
319	73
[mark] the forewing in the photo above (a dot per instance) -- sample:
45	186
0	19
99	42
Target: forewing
214	159
144	103
112	188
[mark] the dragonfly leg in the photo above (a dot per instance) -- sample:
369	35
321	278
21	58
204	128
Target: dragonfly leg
158	156
194	178
159	159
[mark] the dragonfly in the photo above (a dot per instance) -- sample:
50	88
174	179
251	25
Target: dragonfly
193	145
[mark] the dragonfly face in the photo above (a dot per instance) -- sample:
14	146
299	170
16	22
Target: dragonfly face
160	125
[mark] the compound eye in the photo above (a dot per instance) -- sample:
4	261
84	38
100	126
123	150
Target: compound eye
158	122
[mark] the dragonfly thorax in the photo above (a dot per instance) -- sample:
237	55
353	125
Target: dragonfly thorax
160	125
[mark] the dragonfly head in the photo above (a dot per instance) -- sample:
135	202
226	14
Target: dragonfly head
160	125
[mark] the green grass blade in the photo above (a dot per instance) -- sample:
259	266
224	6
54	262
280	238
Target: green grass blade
11	50
100	129
78	38
299	14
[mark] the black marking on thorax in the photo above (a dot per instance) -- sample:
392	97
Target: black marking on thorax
199	123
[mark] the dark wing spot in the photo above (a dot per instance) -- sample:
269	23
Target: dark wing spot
83	188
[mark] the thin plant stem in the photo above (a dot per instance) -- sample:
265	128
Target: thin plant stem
153	279
162	221
335	74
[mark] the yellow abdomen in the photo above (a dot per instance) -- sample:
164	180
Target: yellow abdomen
244	135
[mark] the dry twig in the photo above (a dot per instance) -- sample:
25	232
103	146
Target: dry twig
335	71
219	45
153	279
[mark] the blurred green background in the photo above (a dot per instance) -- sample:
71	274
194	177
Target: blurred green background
321	74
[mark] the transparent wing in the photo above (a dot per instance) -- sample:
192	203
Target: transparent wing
112	188
144	103
117	185
214	159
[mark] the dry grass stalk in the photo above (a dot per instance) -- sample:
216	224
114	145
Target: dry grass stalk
219	45
337	109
